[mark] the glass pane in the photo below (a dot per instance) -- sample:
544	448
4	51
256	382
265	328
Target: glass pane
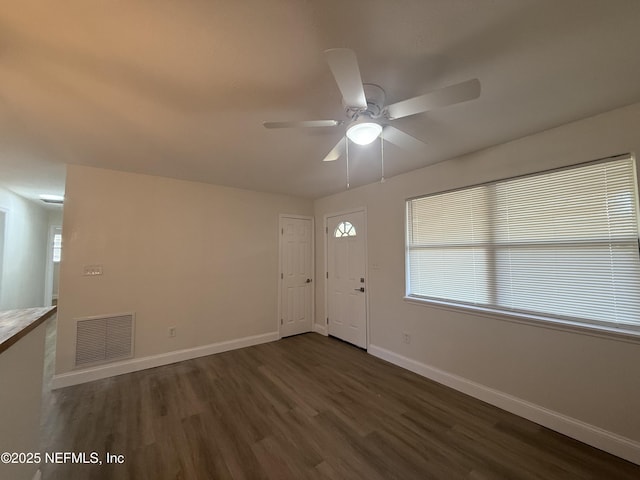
581	281
459	217
592	202
57	247
453	274
345	229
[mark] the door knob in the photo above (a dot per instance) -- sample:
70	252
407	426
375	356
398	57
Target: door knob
361	289
309	280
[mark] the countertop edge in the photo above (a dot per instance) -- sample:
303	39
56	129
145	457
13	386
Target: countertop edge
32	325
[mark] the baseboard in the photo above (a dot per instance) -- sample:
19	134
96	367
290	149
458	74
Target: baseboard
590	434
321	329
135	364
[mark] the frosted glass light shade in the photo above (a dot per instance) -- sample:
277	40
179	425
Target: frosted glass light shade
51	198
363	133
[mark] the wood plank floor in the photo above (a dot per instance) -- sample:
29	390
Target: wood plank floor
305	407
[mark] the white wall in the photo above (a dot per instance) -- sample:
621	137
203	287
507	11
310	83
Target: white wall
24	260
199	257
21	370
589	379
55	215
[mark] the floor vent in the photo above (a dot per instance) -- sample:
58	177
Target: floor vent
104	339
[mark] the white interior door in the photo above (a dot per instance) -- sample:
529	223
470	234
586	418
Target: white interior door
296	260
347	293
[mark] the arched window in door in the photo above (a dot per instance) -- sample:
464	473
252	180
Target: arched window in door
344	229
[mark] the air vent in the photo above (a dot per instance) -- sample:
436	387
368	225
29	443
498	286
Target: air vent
104	339
53	202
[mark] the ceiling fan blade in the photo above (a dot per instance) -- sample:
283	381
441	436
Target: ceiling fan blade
403	140
460	92
336	152
306	123
344	66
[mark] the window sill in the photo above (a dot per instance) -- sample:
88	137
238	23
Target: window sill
622	335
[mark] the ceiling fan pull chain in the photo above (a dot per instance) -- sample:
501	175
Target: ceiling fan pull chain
346	141
382	155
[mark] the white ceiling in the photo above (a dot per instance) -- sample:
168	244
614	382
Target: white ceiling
180	89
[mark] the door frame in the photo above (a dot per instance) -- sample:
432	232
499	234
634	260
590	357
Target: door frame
326	217
281	217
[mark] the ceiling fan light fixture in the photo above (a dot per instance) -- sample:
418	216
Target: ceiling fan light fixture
363	133
55	199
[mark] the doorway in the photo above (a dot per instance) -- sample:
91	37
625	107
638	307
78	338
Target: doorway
346	277
52	275
296	275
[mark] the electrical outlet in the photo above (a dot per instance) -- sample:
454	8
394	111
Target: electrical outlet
406	338
172	332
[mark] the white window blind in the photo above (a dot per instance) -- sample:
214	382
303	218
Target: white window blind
57	247
561	244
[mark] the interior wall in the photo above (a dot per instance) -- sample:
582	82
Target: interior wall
21	370
55	216
198	257
24	257
591	379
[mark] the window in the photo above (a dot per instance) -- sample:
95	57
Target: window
57	247
344	229
561	244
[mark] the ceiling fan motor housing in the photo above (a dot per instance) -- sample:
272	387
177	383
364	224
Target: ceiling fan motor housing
375	96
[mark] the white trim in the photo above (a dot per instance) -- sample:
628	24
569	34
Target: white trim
321	329
280	274
366	265
312	263
136	364
590	434
620	335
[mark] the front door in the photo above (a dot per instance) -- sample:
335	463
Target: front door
296	263
347	292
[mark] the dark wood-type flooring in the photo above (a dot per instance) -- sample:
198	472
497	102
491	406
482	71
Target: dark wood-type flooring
305	407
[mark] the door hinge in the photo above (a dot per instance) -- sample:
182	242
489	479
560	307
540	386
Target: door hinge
326	230
327	320
282	231
281	322
327	274
281	276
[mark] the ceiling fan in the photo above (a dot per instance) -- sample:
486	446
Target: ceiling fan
365	109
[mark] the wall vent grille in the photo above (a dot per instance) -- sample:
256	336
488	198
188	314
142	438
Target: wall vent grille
104	339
